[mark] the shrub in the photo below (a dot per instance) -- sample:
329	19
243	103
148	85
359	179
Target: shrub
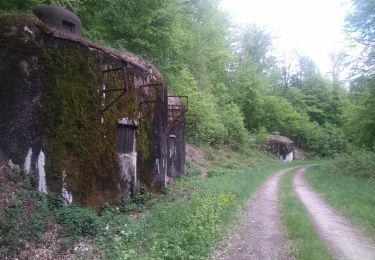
359	163
78	221
24	221
326	140
261	138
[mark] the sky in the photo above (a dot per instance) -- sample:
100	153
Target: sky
311	26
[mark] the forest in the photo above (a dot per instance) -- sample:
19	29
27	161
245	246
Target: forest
240	92
237	88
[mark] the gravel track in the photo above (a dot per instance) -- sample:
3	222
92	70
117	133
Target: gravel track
342	238
261	234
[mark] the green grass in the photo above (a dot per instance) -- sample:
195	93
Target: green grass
241	159
351	195
306	241
186	222
189	220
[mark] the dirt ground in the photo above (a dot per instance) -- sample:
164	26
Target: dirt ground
198	157
261	233
342	238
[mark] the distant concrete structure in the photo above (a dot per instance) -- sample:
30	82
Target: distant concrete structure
282	147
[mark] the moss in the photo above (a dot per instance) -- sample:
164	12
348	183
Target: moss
77	142
146	142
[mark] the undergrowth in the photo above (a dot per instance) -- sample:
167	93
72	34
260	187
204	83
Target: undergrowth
26	220
187	221
359	163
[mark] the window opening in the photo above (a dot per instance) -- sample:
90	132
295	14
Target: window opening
68	26
126	136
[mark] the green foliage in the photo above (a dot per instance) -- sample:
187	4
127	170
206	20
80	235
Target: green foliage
226	158
26	5
326	140
249	87
191	169
360	22
183	231
78	221
24	221
359	116
33	214
261	138
231	117
7	6
187	221
234	83
203	119
359	163
307	243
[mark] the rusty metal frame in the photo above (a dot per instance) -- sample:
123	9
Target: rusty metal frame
186	105
123	89
180	117
155	86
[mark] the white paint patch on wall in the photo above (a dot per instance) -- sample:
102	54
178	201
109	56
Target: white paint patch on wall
27	164
42	185
68	197
27	29
289	157
128	169
135	169
157	164
11	164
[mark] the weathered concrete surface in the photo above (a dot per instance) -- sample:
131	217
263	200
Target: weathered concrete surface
261	234
59	123
176	137
341	237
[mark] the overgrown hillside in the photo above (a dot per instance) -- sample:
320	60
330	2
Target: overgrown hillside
239	92
236	86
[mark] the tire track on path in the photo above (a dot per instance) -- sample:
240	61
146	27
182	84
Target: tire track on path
261	234
342	238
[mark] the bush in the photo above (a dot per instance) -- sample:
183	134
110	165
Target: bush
24	221
360	163
78	221
261	138
326	140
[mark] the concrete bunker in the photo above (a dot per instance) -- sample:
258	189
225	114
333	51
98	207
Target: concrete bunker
282	147
60	19
90	123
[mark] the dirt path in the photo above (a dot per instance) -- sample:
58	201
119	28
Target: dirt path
341	237
260	233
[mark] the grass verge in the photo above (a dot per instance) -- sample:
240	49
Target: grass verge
189	220
351	195
185	222
307	244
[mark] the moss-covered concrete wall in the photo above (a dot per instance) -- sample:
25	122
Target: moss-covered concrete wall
51	104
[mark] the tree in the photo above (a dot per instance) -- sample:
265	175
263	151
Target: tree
360	120
338	63
359	114
255	45
360	26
